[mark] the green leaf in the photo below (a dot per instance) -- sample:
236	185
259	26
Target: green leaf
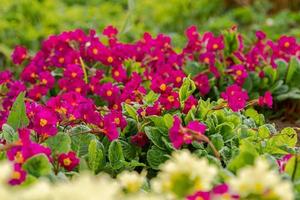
17	117
187	88
156	157
253	114
79	129
80	143
263	132
115	155
150	98
292	167
131	111
287	137
38	165
96	159
168	119
293	73
9	134
60	143
155	135
129	150
246	156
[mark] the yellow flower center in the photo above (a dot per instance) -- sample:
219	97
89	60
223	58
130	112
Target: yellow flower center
239	72
286	44
16	175
178	79
19	157
109	93
61	60
78	90
171	98
163	87
117	121
67	161
44	81
95	51
73	74
117	73
206	60
215	46
43	122
110	59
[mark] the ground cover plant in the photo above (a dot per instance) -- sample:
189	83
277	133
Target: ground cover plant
161	122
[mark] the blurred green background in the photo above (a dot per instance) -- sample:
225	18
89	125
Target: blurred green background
28	22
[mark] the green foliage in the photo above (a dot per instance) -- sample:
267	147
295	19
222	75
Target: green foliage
37	165
9	134
96	156
60	143
17	116
115	155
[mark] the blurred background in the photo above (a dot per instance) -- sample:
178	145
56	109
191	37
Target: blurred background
28	22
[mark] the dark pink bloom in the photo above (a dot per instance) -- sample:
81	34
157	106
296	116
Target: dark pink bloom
109	128
236	97
223	191
283	161
189	103
169	100
110	31
215	43
19	55
199	195
287	44
109	92
46	79
140	139
73	71
202	83
180	135
5	76
18	176
267	100
37	92
68	160
239	74
45	122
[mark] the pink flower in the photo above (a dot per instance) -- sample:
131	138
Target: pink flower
110	31
199	195
68	160
189	104
267	100
109	92
45	122
239	74
287	44
73	71
202	83
5	76
169	100
180	135
46	79
19	55
18	176
215	43
283	161
236	97
140	139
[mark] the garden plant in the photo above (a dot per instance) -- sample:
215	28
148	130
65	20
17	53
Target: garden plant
92	117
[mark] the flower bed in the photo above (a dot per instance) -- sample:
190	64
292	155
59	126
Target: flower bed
186	116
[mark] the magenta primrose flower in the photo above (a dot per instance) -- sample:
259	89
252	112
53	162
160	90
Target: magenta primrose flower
68	160
267	100
236	97
180	135
19	55
18	175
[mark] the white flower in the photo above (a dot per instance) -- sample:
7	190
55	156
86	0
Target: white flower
131	181
260	180
184	174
